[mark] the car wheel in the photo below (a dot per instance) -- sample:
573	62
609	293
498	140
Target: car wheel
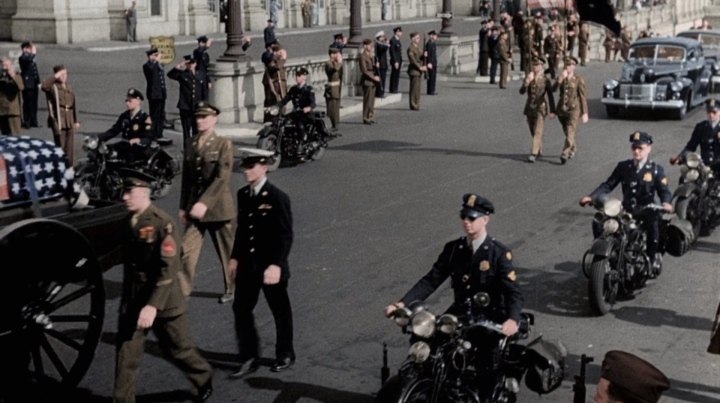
682	112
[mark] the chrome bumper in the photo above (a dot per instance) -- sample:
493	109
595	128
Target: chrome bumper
634	103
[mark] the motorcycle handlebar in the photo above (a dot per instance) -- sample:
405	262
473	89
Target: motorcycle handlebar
488	324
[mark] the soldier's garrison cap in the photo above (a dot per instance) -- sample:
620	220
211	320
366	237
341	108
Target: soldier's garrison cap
635	376
475	206
640	138
133	93
251	156
205	108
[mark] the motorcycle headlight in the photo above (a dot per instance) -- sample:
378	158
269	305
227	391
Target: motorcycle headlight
419	352
612	207
610	226
401	316
448	323
423	324
90	142
676	86
692	174
611	85
693	160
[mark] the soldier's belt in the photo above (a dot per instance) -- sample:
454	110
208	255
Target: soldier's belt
334	83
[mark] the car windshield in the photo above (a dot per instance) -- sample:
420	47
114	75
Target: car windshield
657	53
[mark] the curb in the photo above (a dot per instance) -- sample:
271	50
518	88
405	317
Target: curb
473	78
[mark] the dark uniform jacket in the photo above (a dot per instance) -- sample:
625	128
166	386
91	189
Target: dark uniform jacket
300	97
414	54
152	263
367	69
708	138
381	55
264	230
540	97
395	50
155	78
483	36
334	72
503	48
638	187
493	42
202	58
572	96
489	269
131	127
192	87
206	177
28	68
431	49
62	111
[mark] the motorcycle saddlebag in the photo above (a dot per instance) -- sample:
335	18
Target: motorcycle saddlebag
546	365
679	236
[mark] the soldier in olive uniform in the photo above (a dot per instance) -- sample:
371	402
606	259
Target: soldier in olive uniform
538	31
333	88
260	262
62	110
572	105
706	134
369	80
583	42
193	89
11	87
572	30
31	80
416	67
526	40
625	377
625	41
505	58
206	202
134	126
641	178
151	297
553	50
539	102
610	44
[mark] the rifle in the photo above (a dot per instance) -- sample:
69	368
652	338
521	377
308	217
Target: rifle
579	386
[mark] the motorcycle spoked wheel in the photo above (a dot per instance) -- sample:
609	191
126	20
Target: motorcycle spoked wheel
270	142
164	175
685	208
603	287
86	178
421	390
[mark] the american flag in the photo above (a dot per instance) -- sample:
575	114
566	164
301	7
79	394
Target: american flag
548	4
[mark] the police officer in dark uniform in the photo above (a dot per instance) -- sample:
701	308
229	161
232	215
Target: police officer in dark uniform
156	93
202	58
431	62
641	178
396	59
259	261
31	80
475	263
151	296
706	135
135	128
303	101
192	91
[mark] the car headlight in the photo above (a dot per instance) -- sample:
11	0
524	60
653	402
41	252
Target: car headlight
676	86
693	160
611	84
448	323
419	352
612	207
90	142
692	174
423	324
610	226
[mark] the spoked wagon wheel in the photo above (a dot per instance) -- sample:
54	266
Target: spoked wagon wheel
51	302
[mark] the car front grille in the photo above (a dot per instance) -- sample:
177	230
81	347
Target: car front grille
637	91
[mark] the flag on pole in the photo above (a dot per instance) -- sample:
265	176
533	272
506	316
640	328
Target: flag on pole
599	11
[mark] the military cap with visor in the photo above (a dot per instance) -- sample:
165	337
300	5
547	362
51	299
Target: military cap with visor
134	179
302	71
205	108
571	60
251	156
339	36
475	206
712	105
379	34
202	39
639	138
538	60
134	93
432	32
633	376
189	58
152	51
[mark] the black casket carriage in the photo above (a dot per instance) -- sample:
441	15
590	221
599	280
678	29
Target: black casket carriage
54	246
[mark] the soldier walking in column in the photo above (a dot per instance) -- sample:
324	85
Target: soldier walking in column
539	102
572	105
415	69
31	81
333	88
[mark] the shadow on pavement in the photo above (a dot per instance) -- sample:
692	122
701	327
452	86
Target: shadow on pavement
687	392
398	146
558	294
292	392
656	317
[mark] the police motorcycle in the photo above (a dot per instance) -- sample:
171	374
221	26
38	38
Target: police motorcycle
103	169
444	364
697	198
281	135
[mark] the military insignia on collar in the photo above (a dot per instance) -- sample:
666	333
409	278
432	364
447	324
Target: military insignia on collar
508	255
664	181
647	177
136	127
465	278
484	265
147	234
512	276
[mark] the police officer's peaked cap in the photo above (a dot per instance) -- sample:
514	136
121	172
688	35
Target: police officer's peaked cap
538	60
25	44
638	138
475	206
432	32
333	49
302	71
202	39
152	51
133	178
712	104
396	29
205	109
189	58
133	93
634	376
571	59
339	36
251	156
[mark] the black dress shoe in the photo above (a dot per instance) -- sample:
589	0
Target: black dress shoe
282	364
246	367
204	392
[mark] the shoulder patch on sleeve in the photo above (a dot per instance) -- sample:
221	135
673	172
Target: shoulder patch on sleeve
168	247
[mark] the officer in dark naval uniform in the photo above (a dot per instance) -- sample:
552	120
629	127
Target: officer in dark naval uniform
156	93
134	126
706	135
302	97
151	296
641	178
259	261
31	80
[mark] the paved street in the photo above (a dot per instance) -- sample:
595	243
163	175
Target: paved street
372	216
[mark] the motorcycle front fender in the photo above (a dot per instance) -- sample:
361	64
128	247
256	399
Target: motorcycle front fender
602	247
685	190
265	131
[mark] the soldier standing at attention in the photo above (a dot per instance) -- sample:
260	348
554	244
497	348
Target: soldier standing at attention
156	93
505	58
31	80
609	44
333	88
11	87
151	297
483	38
539	102
381	61
206	203
131	22
572	105
192	91
306	8
369	79
259	261
583	42
62	110
431	62
395	59
415	69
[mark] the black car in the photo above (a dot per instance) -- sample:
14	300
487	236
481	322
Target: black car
670	74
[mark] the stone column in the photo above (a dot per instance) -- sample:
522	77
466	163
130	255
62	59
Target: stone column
7	10
234	30
355	39
339	12
61	21
446	22
372	10
196	19
254	15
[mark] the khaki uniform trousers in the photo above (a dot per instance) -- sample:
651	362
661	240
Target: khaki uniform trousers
222	234
65	139
414	92
10	124
536	123
368	102
504	74
174	341
333	110
569	124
